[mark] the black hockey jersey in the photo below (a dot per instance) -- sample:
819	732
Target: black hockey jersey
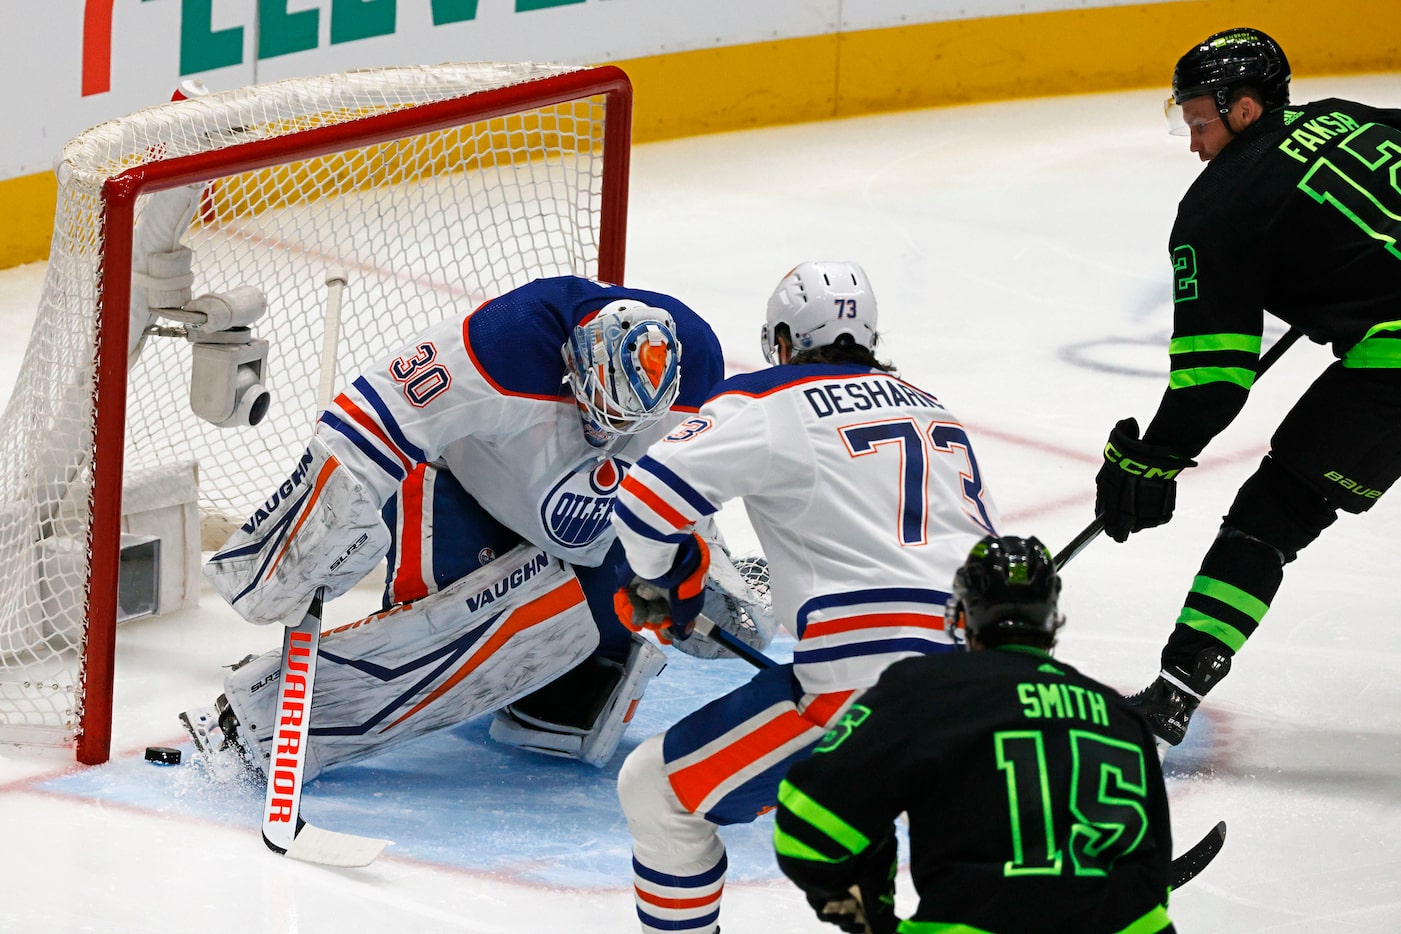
1034	795
1299	215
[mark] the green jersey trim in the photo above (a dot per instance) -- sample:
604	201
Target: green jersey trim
1201	343
1202	375
1152	922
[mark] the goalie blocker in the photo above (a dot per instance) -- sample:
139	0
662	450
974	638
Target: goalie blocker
321	529
485	642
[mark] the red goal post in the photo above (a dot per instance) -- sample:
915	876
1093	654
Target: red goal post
435	187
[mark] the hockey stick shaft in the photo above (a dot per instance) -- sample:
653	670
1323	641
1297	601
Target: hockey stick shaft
1091	531
282	803
330	337
284	830
706	627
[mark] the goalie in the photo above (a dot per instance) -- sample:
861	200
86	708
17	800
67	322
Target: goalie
482	460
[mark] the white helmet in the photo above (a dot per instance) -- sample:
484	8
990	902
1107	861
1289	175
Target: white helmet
624	366
820	301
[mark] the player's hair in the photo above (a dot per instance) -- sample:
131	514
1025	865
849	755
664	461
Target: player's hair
843	350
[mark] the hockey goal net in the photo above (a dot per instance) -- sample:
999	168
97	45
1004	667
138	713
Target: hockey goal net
434	188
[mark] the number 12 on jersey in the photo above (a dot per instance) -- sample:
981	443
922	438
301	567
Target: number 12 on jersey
918	448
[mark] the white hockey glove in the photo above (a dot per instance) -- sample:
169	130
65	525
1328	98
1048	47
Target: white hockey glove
321	528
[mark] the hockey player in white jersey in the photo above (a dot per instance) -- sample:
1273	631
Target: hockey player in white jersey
866	497
483	458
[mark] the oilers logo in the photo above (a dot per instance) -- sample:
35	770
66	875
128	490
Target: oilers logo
575	512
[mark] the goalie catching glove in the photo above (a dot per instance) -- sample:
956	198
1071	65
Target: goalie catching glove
1136	488
321	528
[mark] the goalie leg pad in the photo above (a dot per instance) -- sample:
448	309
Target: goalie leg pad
584	713
321	528
484	642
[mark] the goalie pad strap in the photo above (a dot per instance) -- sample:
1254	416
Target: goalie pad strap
589	724
473	647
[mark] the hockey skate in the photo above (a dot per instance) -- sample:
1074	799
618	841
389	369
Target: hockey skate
218	745
1168	703
1168	710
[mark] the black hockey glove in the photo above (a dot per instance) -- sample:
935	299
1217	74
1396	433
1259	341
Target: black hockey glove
868	907
1136	489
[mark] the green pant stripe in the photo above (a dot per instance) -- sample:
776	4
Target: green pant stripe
803	807
1231	595
788	845
1232	637
1152	922
1250	343
1378	349
1201	375
1375	355
937	927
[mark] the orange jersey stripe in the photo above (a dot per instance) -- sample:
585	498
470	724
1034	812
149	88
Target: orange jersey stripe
358	416
872	621
822	708
409	584
695	782
654	502
663	902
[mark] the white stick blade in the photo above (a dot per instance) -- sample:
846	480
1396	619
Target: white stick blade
329	848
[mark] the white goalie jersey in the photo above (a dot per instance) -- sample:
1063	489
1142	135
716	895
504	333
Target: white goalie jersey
864	492
484	394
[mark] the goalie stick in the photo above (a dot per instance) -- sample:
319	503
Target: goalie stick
1185	867
1091	531
284	830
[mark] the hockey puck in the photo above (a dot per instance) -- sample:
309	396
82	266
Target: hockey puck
162	755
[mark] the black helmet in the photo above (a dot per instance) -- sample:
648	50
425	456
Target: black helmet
1228	59
1006	592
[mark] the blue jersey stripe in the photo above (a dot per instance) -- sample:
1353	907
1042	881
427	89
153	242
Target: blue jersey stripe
699	880
687	924
683	489
802	656
392	468
875	595
389	422
636	524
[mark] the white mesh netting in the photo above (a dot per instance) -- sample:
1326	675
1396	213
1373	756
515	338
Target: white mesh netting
426	223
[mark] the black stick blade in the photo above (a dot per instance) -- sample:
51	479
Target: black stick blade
1186	866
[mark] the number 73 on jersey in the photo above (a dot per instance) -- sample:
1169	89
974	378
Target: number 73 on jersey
938	445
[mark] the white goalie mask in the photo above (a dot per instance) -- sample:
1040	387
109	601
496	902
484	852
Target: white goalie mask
624	366
820	301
